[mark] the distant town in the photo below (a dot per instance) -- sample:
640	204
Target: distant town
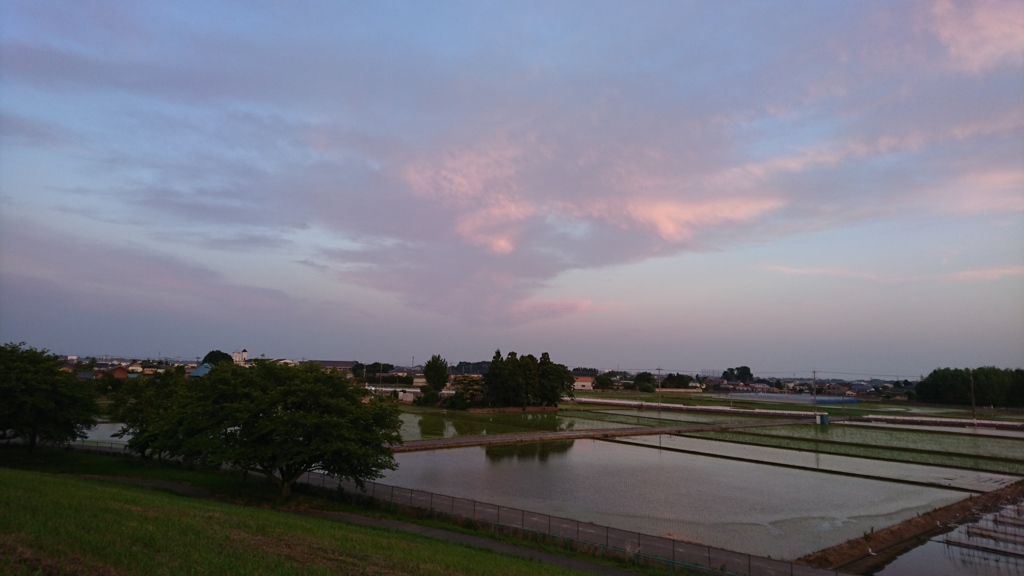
409	379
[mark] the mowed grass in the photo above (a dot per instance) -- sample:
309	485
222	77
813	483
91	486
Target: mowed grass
57	524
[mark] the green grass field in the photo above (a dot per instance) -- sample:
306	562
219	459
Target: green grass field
57	519
58	524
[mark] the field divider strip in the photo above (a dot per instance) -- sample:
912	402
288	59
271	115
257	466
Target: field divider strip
803	468
877	446
866	457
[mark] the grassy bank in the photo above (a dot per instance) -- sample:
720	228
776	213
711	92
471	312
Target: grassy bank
60	524
56	518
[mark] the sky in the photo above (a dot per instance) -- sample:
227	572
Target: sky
791	186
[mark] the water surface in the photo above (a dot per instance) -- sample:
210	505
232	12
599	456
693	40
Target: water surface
747	507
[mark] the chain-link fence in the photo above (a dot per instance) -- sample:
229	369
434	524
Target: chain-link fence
652	549
645	547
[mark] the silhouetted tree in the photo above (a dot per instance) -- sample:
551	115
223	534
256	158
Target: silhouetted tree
39	402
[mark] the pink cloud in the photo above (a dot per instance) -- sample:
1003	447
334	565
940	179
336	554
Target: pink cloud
529	311
996	191
677	221
983	274
494	226
836	272
466	173
980	35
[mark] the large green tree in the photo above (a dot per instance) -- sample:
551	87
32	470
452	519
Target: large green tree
39	402
677	381
740	373
998	387
216	357
436	372
525	381
148	411
279	421
603	382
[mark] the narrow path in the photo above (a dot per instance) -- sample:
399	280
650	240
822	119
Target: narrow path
599	433
472	541
396	525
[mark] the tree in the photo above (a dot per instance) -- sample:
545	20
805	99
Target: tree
40	402
216	357
603	382
643	378
677	381
579	371
378	368
556	382
436	372
277	420
146	407
992	386
740	373
469	390
526	381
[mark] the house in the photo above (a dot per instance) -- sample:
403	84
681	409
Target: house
119	372
201	371
343	365
240	358
583	383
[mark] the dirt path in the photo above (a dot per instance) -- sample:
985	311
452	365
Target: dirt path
396	525
864	555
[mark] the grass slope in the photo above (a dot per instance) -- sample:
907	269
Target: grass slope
53	524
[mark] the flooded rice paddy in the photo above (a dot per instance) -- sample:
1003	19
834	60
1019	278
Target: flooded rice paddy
895	471
784	499
747	507
991	546
451	424
1011	462
950	429
779	491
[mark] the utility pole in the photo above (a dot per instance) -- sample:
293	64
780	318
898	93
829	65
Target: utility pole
815	388
974	411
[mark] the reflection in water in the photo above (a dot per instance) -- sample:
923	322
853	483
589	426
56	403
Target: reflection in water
743	506
539	451
432	427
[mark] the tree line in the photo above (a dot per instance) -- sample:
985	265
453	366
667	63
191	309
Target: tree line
276	420
1002	388
526	381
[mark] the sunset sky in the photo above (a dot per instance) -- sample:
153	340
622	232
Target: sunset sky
792	186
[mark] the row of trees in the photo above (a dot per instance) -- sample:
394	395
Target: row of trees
526	381
276	420
1003	388
738	374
